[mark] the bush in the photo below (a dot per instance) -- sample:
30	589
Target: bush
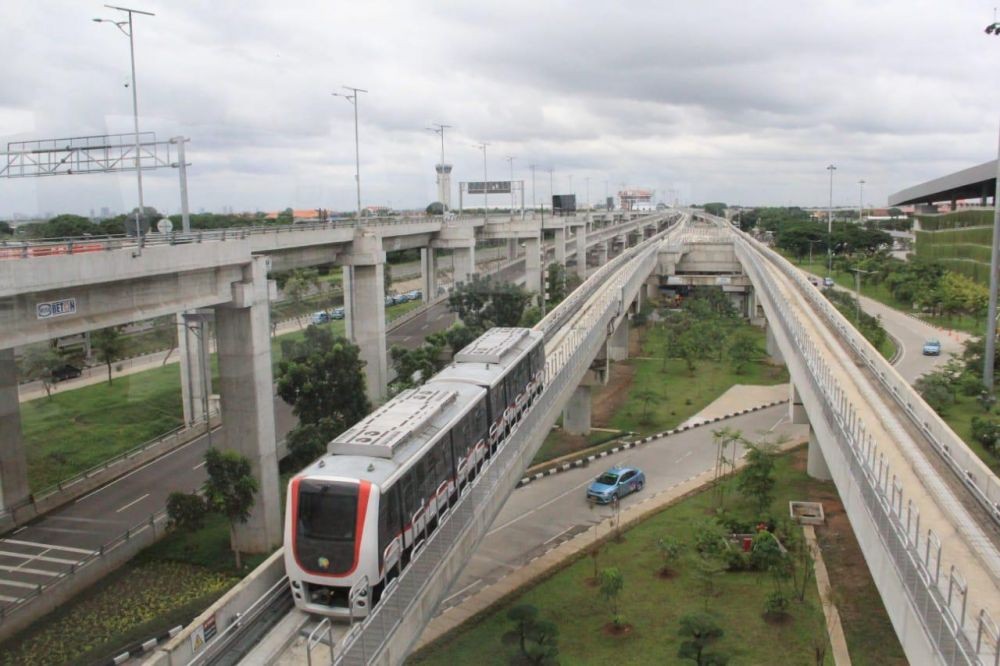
986	431
776	604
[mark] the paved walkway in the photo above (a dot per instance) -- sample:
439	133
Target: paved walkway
737	398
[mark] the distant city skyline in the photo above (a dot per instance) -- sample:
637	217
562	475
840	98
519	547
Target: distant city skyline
711	101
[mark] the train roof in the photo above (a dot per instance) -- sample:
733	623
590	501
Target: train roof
332	468
498	345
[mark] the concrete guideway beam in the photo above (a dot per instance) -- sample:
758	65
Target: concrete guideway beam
364	308
244	351
772	347
618	342
13	460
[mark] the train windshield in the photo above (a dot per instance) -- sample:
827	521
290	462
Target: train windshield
325	526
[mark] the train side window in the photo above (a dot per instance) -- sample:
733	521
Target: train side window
498	401
447	459
480	422
409	497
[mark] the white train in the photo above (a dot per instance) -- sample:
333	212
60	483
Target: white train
357	513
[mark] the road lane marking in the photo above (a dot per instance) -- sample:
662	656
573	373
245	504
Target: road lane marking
36	572
132	503
9	600
17	583
201	464
102	521
29	557
540	507
151	462
683	456
48	546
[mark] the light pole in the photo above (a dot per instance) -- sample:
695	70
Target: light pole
815	240
829	226
532	167
486	184
857	292
439	129
861	200
353	99
551	189
991	317
130	32
510	162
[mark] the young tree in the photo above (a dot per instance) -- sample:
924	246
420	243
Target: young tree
646	396
538	640
38	363
186	511
756	481
109	344
743	350
299	283
555	284
612	583
230	489
669	549
724	437
700	630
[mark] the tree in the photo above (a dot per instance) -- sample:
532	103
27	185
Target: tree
669	549
416	366
743	350
6	229
987	432
322	377
435	208
230	489
65	226
716	208
538	640
300	283
481	304
186	511
38	363
756	481
646	396
109	344
700	630
286	216
936	389
724	437
308	441
612	582
555	284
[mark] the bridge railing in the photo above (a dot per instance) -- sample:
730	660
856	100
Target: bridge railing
940	599
566	362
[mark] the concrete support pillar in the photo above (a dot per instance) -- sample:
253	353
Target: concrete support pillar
464	260
13	461
772	346
512	248
581	252
192	339
364	301
618	342
796	410
576	414
244	348
603	249
533	265
816	466
560	245
428	271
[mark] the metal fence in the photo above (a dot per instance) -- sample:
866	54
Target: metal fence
566	362
940	601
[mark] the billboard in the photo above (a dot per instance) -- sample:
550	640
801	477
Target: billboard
488	187
564	203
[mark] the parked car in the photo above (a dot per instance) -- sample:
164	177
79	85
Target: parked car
828	281
814	281
337	313
389	300
320	317
932	348
414	295
617	482
64	372
400	298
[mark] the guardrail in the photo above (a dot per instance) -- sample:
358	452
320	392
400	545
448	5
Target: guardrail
939	602
466	523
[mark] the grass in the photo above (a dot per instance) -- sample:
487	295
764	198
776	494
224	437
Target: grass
650	604
77	429
958	416
679	394
880	293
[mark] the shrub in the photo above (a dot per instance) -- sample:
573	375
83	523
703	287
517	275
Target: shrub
776	604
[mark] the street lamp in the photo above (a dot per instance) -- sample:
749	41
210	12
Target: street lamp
811	241
353	99
861	200
510	161
991	317
130	32
486	184
829	226
857	292
439	129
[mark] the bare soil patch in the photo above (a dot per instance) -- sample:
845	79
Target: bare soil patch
616	630
609	399
666	573
777	619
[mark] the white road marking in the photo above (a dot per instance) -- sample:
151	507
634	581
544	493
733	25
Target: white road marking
17	583
48	546
20	529
683	456
10	600
540	507
151	462
37	572
777	423
28	556
132	502
103	521
473	583
201	464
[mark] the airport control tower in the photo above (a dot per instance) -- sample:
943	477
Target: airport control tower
444	184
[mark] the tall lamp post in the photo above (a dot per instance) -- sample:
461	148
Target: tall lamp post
439	129
353	99
861	200
486	184
857	292
829	226
130	32
991	317
811	242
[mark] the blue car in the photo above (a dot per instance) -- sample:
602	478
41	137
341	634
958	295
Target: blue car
617	482
932	348
320	317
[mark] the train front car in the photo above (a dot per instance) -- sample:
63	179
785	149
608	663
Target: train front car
355	515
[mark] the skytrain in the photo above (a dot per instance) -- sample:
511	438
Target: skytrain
355	515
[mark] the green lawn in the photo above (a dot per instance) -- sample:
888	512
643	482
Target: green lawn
80	428
653	605
880	293
959	418
679	394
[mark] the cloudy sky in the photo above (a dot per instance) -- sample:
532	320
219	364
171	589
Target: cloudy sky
745	102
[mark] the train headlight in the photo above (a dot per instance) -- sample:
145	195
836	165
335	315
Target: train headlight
296	585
